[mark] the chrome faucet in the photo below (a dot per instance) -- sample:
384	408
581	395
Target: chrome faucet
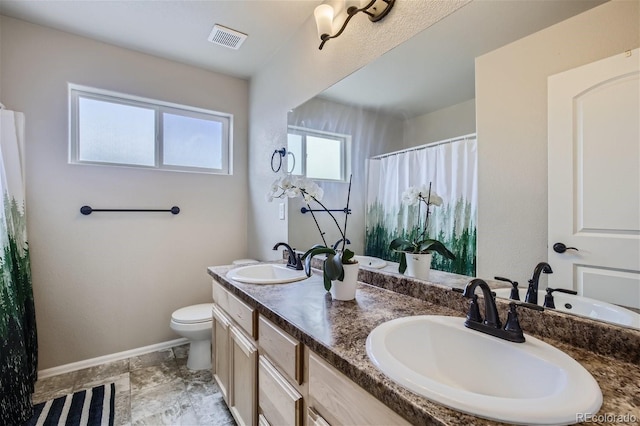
491	324
346	241
294	261
532	290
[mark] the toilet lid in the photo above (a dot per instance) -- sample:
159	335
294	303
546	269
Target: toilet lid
193	314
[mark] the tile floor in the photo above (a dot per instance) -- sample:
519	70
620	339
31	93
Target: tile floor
151	389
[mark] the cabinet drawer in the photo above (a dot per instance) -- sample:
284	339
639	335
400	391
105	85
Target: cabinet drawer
220	295
282	349
244	315
340	401
281	404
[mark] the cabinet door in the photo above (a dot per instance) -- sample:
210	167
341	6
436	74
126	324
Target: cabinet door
244	365
281	404
342	402
220	362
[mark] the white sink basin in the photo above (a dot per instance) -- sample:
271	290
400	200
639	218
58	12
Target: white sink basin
266	273
371	262
583	306
439	358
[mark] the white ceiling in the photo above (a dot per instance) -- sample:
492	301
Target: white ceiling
174	29
433	70
436	68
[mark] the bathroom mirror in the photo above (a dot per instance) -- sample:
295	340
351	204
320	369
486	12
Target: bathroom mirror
420	92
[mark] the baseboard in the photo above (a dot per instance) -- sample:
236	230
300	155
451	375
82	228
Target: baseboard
79	365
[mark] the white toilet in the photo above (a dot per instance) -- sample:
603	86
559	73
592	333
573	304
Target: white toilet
194	323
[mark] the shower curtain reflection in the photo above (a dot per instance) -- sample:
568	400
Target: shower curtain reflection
451	167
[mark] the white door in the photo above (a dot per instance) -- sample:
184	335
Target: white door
594	179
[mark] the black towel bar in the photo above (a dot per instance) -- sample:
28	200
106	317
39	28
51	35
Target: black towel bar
87	210
304	210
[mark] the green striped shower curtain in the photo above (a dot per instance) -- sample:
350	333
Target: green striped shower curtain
18	353
451	167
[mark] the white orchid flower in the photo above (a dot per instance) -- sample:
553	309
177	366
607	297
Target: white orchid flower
435	199
313	191
293	186
292	192
411	196
424	191
286	182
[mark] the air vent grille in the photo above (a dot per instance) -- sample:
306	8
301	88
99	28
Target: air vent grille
226	37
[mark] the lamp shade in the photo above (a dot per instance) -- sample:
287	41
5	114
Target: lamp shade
324	19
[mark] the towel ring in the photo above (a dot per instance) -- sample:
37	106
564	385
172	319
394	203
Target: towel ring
293	157
282	153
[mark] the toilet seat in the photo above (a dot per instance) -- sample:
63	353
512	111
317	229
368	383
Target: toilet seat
194	314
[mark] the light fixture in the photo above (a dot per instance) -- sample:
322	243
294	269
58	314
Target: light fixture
375	9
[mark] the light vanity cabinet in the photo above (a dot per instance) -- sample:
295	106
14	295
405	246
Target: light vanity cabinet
244	356
220	353
336	400
268	377
315	419
235	354
280	376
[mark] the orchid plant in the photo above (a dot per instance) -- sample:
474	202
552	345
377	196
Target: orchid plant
296	186
416	196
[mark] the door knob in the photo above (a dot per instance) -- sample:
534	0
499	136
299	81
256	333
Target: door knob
561	248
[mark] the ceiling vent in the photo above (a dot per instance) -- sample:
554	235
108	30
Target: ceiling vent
226	37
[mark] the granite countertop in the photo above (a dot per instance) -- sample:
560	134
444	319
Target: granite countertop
337	331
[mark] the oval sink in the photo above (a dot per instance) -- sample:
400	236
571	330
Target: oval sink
266	273
439	358
370	261
584	306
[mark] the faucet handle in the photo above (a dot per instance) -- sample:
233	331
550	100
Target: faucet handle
548	298
515	294
474	310
527	305
513	324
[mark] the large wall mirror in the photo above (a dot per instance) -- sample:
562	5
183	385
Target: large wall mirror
419	93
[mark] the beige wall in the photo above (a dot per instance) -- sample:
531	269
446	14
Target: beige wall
511	104
108	282
300	71
446	123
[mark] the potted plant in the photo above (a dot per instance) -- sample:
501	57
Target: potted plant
416	253
340	269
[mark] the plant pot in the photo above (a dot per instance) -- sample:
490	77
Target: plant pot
346	289
418	265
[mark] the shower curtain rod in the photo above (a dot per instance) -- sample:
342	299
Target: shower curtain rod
425	146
